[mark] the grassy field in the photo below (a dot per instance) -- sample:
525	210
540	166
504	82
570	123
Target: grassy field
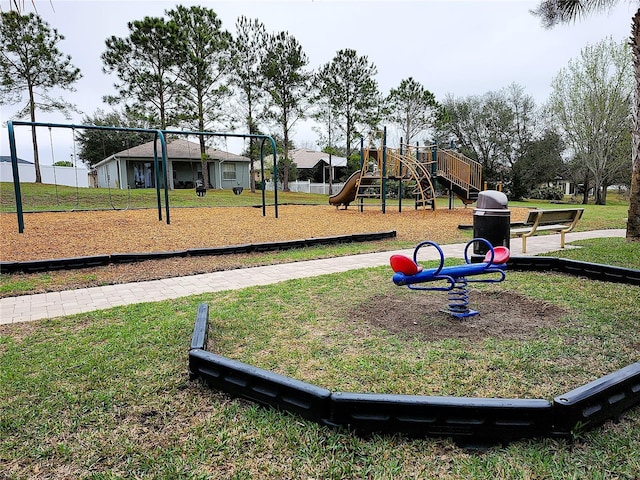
61	198
39	197
106	395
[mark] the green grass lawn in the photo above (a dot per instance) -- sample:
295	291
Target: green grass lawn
51	198
106	395
46	197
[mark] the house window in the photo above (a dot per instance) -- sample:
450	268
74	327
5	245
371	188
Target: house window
229	171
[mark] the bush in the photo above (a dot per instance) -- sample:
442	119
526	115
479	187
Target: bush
547	193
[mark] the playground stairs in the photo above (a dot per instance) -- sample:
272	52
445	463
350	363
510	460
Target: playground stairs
369	187
460	174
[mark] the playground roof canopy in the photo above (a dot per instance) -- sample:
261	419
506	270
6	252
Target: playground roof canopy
304	158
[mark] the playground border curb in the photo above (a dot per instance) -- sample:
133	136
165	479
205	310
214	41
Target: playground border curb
466	420
35	266
593	271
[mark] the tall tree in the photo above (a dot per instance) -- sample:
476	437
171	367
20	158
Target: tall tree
412	108
495	129
553	12
31	63
19	5
205	46
480	126
348	81
96	145
591	102
540	162
288	84
146	65
525	121
326	129
619	172
248	50
520	134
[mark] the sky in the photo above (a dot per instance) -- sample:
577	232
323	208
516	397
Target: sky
452	47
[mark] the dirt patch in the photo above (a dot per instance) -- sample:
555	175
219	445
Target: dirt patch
502	314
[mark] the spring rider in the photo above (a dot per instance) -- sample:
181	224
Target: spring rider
409	273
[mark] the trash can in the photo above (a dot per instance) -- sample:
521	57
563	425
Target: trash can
491	221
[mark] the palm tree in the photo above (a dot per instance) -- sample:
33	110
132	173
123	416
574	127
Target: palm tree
553	12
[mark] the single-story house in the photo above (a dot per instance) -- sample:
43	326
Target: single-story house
566	186
306	159
24	169
134	167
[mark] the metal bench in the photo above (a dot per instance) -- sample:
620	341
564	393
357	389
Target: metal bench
560	220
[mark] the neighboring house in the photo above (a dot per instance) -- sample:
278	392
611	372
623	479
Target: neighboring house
69	176
268	171
304	160
134	167
566	186
309	159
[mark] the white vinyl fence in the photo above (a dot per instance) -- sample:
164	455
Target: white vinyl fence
70	176
308	187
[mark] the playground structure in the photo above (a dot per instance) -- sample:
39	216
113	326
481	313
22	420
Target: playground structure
409	273
414	167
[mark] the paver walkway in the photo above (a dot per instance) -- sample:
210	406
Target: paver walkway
48	305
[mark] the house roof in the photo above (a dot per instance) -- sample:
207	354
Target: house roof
180	149
304	158
7	159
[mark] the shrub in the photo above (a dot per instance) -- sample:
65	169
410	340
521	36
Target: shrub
547	193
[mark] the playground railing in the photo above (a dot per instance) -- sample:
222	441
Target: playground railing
459	169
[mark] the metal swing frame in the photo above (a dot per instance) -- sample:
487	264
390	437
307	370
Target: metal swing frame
161	173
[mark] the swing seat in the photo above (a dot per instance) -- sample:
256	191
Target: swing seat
201	190
237	190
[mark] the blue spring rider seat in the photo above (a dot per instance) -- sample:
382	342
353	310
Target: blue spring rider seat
408	272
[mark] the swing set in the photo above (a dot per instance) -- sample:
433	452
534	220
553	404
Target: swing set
159	160
75	164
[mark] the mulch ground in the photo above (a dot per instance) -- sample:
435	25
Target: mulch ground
72	234
76	234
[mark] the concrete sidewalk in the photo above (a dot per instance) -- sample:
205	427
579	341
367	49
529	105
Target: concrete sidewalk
48	305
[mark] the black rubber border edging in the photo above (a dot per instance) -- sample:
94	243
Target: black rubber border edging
35	266
465	420
593	271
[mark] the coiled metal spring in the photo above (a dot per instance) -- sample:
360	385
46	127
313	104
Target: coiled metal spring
459	299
